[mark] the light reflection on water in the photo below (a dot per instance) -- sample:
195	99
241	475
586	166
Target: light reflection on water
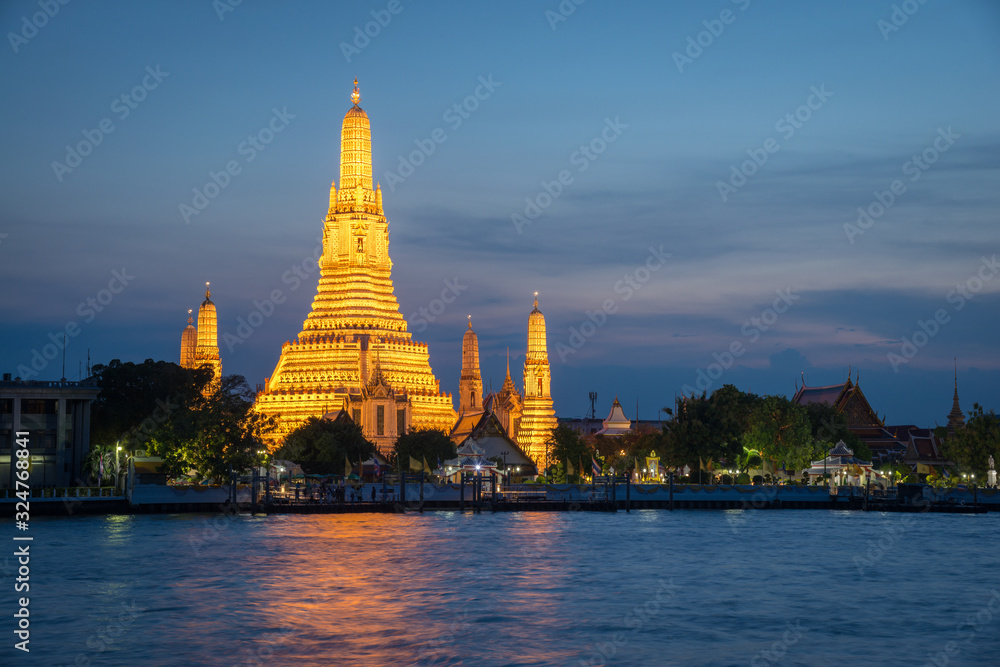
650	587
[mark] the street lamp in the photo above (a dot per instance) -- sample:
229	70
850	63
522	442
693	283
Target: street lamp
117	449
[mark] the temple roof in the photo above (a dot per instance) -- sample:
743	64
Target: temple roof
616	423
846	398
841	449
489	435
827	395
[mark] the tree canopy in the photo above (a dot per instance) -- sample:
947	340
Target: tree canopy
160	407
136	399
780	430
972	445
830	427
747	431
324	446
566	445
423	444
221	433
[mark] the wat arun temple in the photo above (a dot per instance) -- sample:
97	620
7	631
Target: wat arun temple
354	355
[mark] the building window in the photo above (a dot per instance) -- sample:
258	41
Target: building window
361	245
400	422
38	406
380	419
356	416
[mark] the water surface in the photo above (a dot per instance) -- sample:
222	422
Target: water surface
646	588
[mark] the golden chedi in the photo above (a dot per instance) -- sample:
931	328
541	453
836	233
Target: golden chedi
200	347
538	417
354	352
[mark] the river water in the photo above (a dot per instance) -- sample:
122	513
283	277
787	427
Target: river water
441	588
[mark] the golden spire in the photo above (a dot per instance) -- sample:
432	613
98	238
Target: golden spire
355	308
538	416
189	342
470	385
355	148
208	292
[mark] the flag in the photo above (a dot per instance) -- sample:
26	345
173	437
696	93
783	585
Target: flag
415	465
427	468
595	465
347	466
569	468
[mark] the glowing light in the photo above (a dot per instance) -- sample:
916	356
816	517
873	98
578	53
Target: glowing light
354	351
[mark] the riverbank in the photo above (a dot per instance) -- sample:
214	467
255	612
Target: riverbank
153	499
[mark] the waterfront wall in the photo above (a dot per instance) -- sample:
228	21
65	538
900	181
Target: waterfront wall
743	494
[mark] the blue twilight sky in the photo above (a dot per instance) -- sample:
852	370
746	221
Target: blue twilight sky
651	112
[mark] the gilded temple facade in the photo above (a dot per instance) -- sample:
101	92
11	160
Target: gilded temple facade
354	344
200	346
526	419
538	417
470	384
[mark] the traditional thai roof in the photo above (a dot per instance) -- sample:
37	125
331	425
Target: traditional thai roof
841	449
924	448
463	427
488	435
846	397
616	423
839	458
885	443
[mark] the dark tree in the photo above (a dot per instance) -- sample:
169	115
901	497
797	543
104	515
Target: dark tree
830	427
567	446
136	400
324	446
972	445
222	433
425	443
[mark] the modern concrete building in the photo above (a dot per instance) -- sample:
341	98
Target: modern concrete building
56	417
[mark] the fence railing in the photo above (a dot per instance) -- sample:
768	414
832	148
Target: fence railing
62	492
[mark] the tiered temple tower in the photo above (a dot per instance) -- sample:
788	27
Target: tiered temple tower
956	419
354	314
189	342
507	405
470	385
538	417
200	347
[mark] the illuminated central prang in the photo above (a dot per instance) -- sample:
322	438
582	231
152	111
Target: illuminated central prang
354	352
